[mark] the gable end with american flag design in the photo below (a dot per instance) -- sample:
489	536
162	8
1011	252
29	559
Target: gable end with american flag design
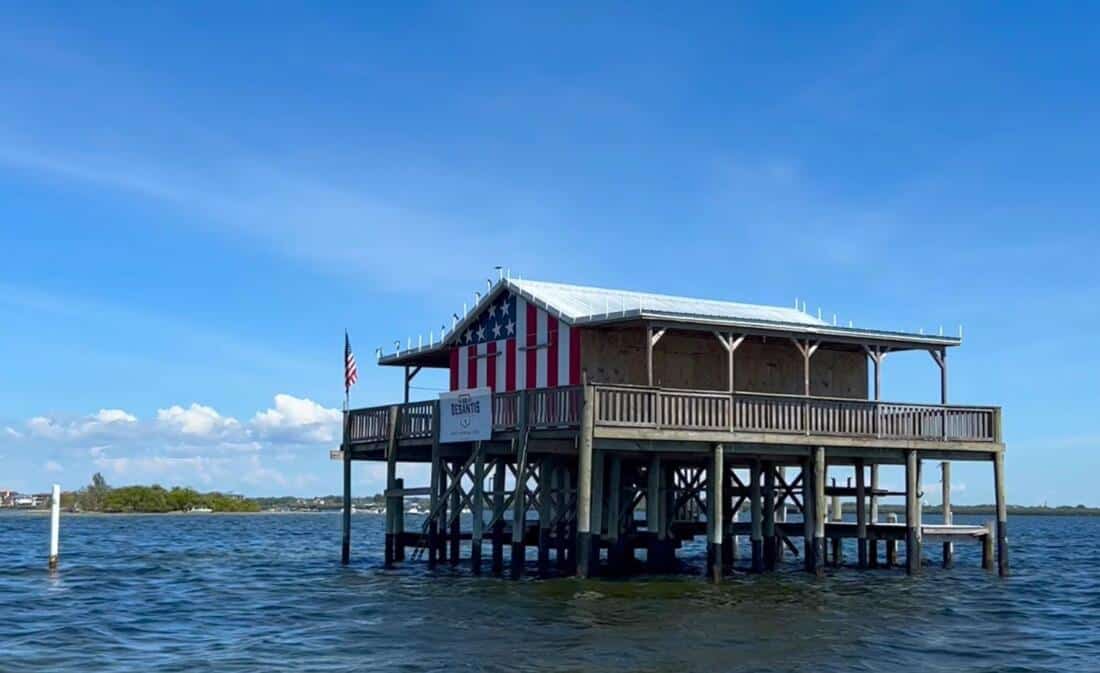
514	345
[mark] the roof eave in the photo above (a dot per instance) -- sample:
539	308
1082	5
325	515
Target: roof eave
824	331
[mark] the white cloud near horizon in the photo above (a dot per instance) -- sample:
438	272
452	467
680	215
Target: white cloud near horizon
187	444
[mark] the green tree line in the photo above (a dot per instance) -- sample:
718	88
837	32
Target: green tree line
98	496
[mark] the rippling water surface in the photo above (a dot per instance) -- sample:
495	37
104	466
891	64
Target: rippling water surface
266	592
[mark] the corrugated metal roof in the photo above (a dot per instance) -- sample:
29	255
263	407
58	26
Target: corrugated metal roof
582	304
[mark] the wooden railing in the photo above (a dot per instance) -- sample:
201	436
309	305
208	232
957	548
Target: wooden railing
693	410
554	407
545	407
415	419
643	407
369	425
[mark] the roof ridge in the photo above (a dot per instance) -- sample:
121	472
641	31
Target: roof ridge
662	295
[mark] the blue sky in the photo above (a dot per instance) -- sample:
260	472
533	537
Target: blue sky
195	201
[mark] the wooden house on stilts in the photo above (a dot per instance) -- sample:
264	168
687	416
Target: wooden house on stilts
621	422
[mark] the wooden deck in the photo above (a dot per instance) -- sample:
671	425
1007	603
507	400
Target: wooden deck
649	413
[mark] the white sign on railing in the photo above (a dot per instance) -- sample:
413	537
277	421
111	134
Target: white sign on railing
466	415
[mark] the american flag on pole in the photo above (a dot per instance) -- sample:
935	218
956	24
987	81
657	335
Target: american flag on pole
351	371
515	345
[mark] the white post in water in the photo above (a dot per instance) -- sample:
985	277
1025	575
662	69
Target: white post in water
55	524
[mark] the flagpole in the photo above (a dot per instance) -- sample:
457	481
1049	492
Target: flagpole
345	547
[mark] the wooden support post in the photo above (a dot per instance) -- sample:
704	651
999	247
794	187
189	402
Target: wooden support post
780	515
891	544
398	505
819	510
653	513
807	350
477	509
668	505
715	480
598	508
872	553
1002	512
456	513
444	478
948	517
433	491
755	506
391	476
345	544
548	509
808	517
729	541
837	515
519	518
500	469
861	513
614	513
912	516
567	530
770	539
519	493
987	545
584	486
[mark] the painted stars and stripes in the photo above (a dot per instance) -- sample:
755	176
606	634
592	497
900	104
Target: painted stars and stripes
351	370
515	345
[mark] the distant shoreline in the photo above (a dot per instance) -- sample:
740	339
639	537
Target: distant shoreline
962	510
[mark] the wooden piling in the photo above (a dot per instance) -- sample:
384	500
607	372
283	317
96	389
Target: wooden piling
729	540
861	513
756	509
668	505
345	543
398	506
456	513
391	478
566	529
769	516
549	491
715	481
912	521
987	545
444	479
891	544
477	509
837	514
948	517
872	551
808	518
597	515
653	511
769	536
819	510
1002	512
433	494
584	486
500	469
780	516
614	513
519	519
